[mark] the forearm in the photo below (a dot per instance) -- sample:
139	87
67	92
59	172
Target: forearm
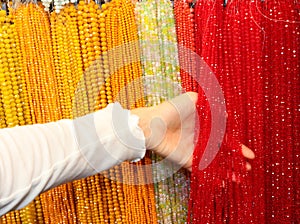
36	158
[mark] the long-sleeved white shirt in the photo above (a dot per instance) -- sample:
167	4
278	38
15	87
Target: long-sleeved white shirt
38	157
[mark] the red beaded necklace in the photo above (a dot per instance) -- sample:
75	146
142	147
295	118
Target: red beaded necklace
253	49
184	16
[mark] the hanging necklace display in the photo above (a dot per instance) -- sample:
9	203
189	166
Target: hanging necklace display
64	64
245	49
222	192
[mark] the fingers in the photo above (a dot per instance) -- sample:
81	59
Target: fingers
248	153
248	166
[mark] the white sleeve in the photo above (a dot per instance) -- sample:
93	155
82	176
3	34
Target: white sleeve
38	157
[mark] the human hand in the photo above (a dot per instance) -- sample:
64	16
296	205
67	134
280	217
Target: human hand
169	129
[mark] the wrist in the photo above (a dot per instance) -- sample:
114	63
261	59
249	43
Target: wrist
153	126
145	115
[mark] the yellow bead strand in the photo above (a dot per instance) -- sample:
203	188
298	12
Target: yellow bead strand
75	55
93	198
130	38
89	34
79	199
39	211
28	214
8	77
33	29
67	57
116	79
104	95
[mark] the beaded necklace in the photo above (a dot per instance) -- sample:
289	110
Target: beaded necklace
280	21
184	15
67	57
33	30
10	73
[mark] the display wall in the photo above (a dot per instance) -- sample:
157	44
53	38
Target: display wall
67	59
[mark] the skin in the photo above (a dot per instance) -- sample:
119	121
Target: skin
169	129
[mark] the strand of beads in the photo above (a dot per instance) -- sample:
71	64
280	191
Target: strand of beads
110	35
161	58
124	54
116	65
130	38
29	214
9	72
168	48
106	90
252	90
33	30
281	71
168	196
68	68
109	196
23	92
101	62
105	94
75	58
2	112
89	27
184	16
230	37
80	202
150	48
60	61
164	196
20	14
67	57
94	199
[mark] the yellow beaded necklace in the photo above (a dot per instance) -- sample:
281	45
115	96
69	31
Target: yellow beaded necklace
33	30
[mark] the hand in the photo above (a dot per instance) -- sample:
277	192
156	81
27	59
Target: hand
169	129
